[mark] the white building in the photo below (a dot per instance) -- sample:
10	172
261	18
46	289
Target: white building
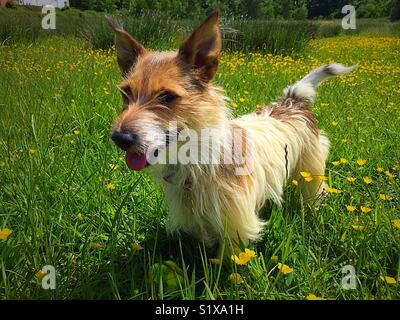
54	3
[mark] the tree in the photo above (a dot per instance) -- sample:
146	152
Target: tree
395	13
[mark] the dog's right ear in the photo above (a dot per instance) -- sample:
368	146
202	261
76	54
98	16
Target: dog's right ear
128	49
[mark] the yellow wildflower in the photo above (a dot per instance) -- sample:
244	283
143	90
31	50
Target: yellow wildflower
358	227
323	178
380	169
215	261
32	151
285	269
389	174
113	166
77	132
384	197
312	296
305	174
336	163
361	162
343	160
365	209
388	280
96	246
334	123
396	223
333	190
367	180
136	246
236	278
351	179
111	186
351	208
295	182
5	233
39	275
250	253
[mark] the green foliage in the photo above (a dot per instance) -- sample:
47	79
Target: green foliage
251	9
395	12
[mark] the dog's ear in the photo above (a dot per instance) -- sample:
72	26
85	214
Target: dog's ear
128	49
202	49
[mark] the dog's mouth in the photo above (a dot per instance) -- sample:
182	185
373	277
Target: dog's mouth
136	161
140	160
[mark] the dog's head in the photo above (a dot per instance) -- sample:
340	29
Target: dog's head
164	88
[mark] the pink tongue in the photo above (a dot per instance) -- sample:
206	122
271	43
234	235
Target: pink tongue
136	161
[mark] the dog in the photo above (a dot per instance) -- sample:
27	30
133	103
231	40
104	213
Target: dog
213	200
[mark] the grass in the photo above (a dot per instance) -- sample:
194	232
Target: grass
71	202
156	30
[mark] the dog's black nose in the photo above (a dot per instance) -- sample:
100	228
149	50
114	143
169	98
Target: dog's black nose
124	139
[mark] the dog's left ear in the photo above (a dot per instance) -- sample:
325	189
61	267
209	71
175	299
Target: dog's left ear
202	49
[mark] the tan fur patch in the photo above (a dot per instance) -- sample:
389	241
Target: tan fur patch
289	110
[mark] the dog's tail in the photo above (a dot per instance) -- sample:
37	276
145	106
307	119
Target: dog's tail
304	90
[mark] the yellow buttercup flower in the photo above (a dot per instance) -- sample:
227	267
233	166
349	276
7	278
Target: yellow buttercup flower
396	223
236	278
244	257
358	227
308	179
351	179
367	180
113	166
361	162
305	174
233	104
39	275
333	190
5	233
136	246
96	246
334	123
351	208
312	296
389	174
365	209
32	151
336	163
77	132
250	253
295	182
111	186
380	170
215	261
343	160
384	197
388	280
284	269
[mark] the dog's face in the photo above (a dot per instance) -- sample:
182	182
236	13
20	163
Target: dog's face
161	90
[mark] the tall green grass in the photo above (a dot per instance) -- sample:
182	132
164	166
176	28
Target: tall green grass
160	32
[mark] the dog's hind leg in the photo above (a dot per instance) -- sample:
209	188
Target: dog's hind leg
313	161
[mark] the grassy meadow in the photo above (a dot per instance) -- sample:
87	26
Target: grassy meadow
67	198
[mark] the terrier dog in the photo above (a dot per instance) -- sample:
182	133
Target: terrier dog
211	199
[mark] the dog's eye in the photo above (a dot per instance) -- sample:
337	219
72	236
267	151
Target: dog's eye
167	97
127	95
